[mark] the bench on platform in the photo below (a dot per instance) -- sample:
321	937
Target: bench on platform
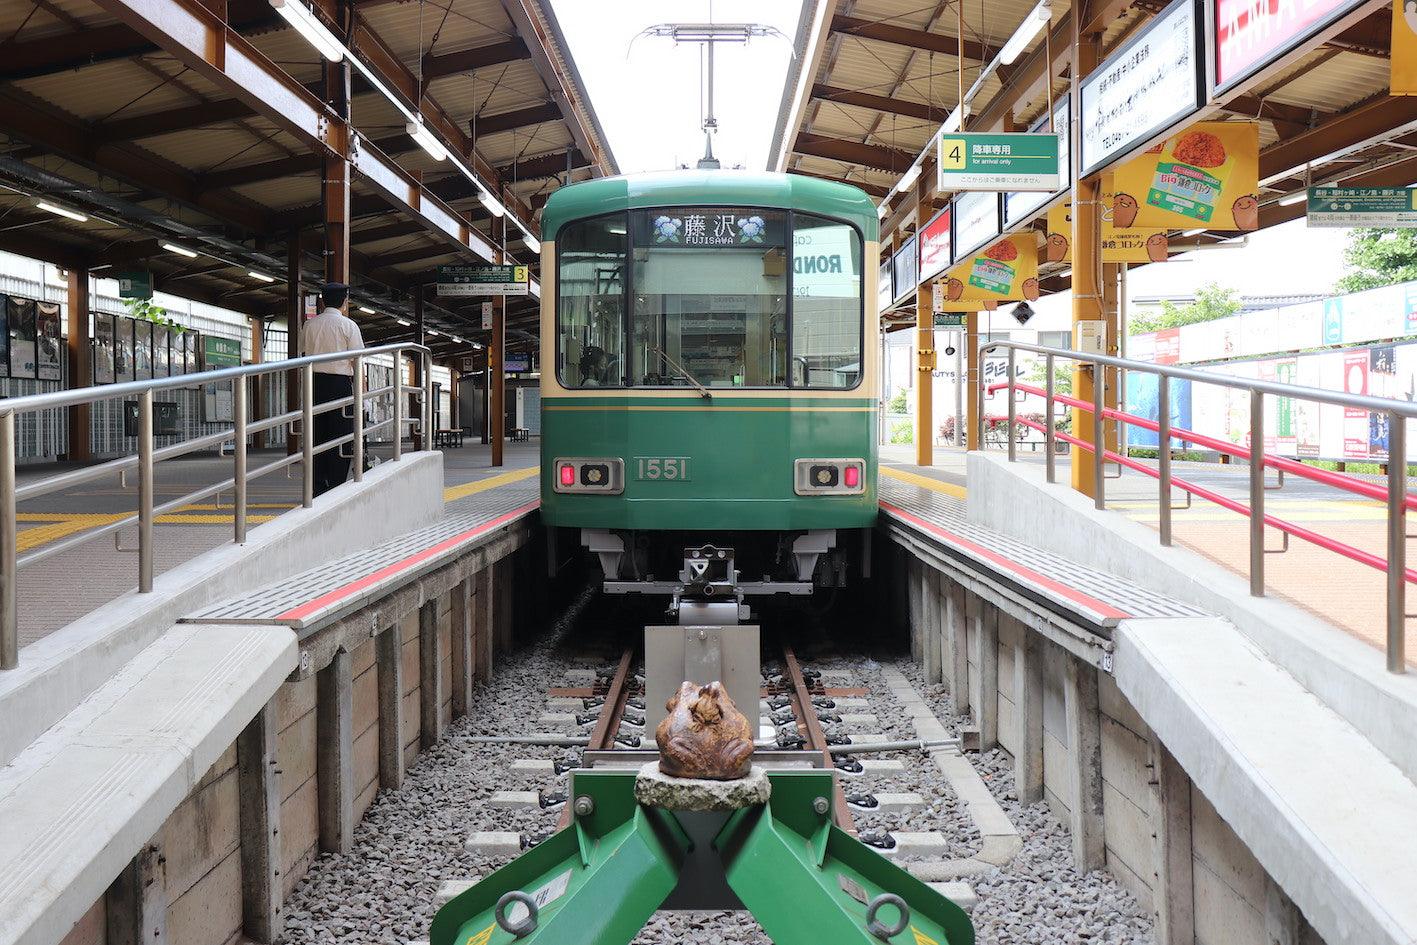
448	439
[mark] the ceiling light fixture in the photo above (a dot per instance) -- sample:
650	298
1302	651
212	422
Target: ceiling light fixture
179	250
1031	26
404	322
62	211
421	136
308	25
532	243
1196	232
909	177
367	310
260	275
1292	199
493	205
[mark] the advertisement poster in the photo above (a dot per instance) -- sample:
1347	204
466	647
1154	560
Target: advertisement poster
1006	271
4	340
191	343
1249	35
49	341
1143	400
1142	89
102	349
161	361
905	274
1132	244
122	349
1404	47
1355	421
936	252
142	350
1207	174
21	316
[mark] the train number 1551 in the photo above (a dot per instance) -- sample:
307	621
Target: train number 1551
661	467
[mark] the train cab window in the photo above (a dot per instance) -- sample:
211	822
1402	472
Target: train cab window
590	285
826	303
709	304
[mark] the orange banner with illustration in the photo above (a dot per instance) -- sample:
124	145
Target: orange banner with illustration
1404	47
1136	244
1004	271
1206	176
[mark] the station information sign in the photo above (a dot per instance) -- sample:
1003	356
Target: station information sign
997	161
935	249
1142	89
1249	35
976	219
1021	205
467	281
905	266
884	295
1363	206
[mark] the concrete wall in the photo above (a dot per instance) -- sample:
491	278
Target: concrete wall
59	671
203	841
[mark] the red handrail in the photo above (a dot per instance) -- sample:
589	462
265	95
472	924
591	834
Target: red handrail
1335	480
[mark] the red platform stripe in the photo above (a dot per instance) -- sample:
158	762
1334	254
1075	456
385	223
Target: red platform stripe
1028	574
354	587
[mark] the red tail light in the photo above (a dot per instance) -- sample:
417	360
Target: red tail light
851	476
568	475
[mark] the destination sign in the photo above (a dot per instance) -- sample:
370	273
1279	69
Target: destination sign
1362	206
466	281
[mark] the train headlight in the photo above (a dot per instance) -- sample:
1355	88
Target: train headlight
590	475
829	477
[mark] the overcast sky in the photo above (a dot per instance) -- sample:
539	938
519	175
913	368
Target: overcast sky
648	101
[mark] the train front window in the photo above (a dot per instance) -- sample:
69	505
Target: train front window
710	298
590	287
826	303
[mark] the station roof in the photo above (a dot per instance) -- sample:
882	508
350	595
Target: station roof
883	78
99	116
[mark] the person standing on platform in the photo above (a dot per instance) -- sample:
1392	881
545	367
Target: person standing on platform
328	332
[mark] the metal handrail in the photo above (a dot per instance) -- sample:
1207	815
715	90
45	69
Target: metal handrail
1397	498
147	457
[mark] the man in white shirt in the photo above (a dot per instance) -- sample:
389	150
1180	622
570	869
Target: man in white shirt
328	332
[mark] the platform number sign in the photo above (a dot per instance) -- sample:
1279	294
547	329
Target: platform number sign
952	154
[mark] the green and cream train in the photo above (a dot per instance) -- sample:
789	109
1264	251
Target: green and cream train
709	380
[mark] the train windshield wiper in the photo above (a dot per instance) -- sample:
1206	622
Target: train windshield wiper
683	371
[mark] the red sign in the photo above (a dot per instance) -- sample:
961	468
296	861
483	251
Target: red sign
935	248
1168	346
1250	34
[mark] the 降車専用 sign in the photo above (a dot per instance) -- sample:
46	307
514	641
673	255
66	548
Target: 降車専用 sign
1142	89
997	161
1250	35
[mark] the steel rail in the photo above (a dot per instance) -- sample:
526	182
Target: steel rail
816	738
1395	496
607	723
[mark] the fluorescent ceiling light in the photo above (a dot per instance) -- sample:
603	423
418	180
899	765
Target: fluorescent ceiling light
419	132
432	331
956	120
366	309
179	250
532	243
308	25
404	322
1292	199
260	275
61	211
1031	26
1196	232
493	205
909	177
881	210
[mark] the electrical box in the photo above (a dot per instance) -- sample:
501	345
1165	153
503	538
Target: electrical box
1090	337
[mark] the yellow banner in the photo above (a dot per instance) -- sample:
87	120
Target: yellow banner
1005	271
1207	175
1404	47
1135	244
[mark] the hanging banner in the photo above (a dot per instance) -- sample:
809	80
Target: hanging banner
1207	174
49	342
1250	35
1142	89
1404	47
996	160
1006	271
1119	244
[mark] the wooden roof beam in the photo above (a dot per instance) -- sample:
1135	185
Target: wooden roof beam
470	60
885	32
891	160
510	121
879	103
875	190
1344	130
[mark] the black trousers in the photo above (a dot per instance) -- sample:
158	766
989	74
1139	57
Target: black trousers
331	469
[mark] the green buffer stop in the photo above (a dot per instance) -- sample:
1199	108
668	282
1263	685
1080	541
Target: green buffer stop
598	881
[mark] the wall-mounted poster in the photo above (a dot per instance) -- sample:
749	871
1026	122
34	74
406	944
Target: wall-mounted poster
1004	271
162	362
1207	174
1249	36
102	348
191	345
142	350
49	341
4	340
22	336
122	349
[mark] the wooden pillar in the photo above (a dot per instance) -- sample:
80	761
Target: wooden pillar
985	699
1028	715
454	386
258	388
295	323
1084	729
334	754
80	363
483	598
1087	252
971	381
258	779
956	627
463	652
1173	892
337	180
388	654
430	679
135	904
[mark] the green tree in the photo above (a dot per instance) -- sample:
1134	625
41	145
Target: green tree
1212	301
1378	257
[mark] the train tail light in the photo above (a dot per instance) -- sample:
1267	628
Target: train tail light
590	475
829	477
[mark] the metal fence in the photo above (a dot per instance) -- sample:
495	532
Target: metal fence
146	457
1394	494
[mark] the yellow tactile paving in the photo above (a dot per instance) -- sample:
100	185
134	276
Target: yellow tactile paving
40	535
924	482
492	482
